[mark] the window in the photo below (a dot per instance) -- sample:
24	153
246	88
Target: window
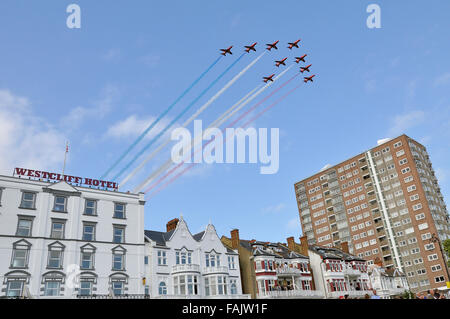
24	226
20	254
57	230
90	207
52	288
162	288
215	285
60	204
118	261
118	288
185	285
403	161
162	259
183	257
145	260
28	200
14	288
405	170
119	210
87	257
1	192
436	268
55	256
88	232
439	279
432	257
231	262
429	246
85	288
212	260
119	234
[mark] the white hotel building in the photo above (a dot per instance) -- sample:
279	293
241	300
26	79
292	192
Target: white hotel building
49	229
182	265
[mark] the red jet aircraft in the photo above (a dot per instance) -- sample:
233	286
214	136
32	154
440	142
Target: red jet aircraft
272	45
268	78
309	78
293	44
250	47
305	68
225	51
278	63
302	58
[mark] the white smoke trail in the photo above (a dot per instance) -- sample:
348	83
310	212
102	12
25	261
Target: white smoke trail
193	117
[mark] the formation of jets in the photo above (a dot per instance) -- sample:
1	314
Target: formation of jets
271	46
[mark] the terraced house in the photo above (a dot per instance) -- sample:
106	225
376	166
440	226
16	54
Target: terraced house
387	204
273	270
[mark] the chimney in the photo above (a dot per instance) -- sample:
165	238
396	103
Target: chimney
304	245
291	243
235	238
172	224
344	247
378	262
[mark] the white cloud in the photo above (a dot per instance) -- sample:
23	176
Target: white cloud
442	79
26	139
98	110
133	126
274	208
405	121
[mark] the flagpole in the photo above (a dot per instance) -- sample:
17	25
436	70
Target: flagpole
65	156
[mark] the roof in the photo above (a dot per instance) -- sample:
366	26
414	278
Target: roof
281	250
333	253
162	237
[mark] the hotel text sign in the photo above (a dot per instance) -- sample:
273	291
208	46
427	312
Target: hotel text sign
67	178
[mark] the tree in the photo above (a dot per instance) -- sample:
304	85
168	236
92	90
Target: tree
446	245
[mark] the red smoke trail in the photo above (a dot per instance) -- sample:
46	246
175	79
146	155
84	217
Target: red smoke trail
234	122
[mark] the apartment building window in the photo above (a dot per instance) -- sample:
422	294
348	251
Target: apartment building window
426	236
162	258
60	204
420	216
57	229
119	210
88	231
90	207
408	179
439	279
429	246
28	200
436	268
414	197
24	226
406	170
432	257
117	287
403	161
118	234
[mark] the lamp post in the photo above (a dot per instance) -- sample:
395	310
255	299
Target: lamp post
435	239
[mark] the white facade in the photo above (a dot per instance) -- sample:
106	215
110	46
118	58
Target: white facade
387	283
339	277
182	265
48	230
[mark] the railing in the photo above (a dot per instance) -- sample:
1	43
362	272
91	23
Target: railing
186	268
215	270
289	271
201	297
351	272
291	294
351	293
124	296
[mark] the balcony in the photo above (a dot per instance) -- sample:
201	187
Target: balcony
201	297
291	294
289	271
351	272
185	268
215	270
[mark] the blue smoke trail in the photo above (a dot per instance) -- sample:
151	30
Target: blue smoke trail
178	117
159	118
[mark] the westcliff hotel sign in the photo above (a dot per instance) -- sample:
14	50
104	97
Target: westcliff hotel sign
67	178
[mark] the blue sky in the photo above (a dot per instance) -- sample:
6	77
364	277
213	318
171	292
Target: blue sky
99	86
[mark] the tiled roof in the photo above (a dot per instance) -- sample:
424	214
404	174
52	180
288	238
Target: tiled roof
333	253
